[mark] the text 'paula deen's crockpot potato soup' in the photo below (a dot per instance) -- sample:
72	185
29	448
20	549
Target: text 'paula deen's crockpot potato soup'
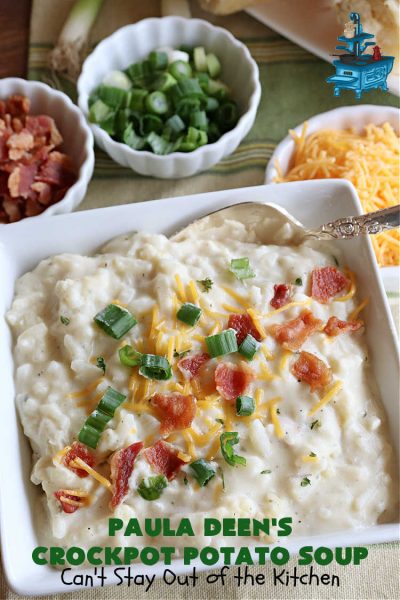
210	376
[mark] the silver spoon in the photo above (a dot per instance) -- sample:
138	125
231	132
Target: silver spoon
273	224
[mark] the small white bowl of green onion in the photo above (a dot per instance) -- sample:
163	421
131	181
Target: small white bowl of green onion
169	97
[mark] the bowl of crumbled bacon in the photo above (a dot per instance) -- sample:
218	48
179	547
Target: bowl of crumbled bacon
46	151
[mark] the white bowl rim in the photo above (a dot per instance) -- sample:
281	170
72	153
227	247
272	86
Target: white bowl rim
107	139
270	171
86	169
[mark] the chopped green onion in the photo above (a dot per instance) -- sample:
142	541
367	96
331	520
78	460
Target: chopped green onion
222	343
227	115
132	140
199	58
115	320
65	320
298	281
89	436
101	364
217	88
174	125
206	284
98	419
180	70
110	401
189	313
117	79
199	120
204	80
305	481
241	268
227	441
158	60
185	88
155	367
151	488
103	115
157	143
249	347
163	82
157	103
150	124
113	96
212	104
203	471
129	356
213	132
137	98
213	65
245	406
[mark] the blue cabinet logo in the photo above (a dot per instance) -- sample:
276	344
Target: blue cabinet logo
355	69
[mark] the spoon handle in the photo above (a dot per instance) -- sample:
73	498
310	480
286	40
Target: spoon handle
371	223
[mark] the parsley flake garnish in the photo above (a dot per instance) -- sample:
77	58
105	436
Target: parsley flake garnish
220	421
185	480
305	481
206	284
65	320
335	260
316	424
181	354
101	364
298	281
265	472
312	454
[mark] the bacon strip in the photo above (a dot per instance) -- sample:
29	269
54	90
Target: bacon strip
282	295
326	282
335	326
175	411
232	380
312	370
243	325
67	508
164	458
191	365
292	334
122	463
79	450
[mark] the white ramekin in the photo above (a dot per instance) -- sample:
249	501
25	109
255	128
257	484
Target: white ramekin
77	137
133	43
345	117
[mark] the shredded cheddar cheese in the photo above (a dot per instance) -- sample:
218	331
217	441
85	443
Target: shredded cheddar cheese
369	160
267	353
353	315
87	390
77	493
193	291
309	459
232	309
274	418
257	323
284	359
60	454
352	289
239	299
287	306
180	288
170	348
327	398
80	464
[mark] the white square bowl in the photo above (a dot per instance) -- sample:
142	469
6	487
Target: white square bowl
24	244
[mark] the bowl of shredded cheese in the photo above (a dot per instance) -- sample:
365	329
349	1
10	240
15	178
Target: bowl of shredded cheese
358	143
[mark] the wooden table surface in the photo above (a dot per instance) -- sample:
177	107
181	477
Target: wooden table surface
14	36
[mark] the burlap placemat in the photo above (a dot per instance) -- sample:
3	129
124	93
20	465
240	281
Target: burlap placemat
293	90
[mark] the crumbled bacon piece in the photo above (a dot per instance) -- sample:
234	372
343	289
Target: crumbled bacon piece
312	370
326	282
243	325
335	326
36	174
282	294
79	450
68	508
191	365
122	463
232	380
175	411
293	334
164	458
17	105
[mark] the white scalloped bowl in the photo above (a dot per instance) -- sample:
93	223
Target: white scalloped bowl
133	43
77	137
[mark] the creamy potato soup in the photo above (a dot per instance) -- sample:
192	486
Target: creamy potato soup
210	376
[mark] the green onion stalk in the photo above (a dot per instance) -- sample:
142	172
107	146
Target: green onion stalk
73	40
